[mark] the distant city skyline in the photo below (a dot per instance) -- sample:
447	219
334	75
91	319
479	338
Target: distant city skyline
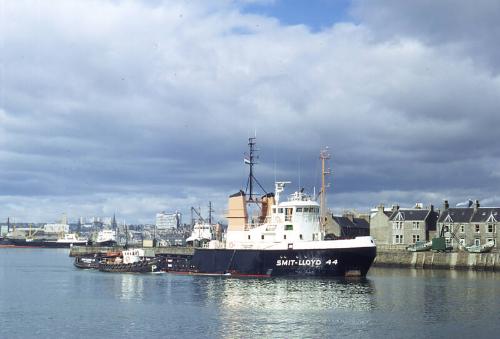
138	107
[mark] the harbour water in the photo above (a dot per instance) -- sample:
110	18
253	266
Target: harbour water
42	295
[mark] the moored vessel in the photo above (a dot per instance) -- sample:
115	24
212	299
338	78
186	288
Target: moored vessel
132	261
286	238
66	241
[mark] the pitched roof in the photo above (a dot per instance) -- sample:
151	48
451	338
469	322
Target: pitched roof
483	214
345	222
410	214
457	214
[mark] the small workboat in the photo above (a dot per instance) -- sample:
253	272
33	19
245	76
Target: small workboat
88	262
420	246
481	248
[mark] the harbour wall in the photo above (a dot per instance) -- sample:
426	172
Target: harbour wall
393	256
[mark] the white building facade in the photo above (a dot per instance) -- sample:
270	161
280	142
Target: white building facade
168	220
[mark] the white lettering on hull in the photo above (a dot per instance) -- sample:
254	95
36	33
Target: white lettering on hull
305	262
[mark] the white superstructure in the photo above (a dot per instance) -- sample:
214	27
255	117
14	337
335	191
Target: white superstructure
202	232
294	223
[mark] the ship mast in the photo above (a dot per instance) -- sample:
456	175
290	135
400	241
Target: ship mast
210	210
323	155
250	159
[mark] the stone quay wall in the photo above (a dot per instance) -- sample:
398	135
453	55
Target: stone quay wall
397	256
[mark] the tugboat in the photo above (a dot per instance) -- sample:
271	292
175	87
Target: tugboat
286	238
132	261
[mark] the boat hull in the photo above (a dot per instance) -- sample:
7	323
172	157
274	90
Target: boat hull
155	265
46	243
292	262
87	262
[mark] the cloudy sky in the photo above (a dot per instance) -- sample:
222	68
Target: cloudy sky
136	107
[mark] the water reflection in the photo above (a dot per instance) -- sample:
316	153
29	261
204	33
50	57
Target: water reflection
272	306
132	287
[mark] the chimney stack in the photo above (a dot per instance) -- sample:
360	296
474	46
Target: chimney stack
446	205
476	205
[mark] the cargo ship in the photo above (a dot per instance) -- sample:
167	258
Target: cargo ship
284	238
66	241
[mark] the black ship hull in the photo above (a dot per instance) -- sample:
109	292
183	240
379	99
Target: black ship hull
87	262
144	266
292	262
107	243
46	243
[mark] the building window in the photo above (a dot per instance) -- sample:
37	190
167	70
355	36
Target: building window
274	209
280	210
398	225
446	228
300	237
249	237
462	228
284	236
299	209
416	225
262	236
491	228
461	241
288	227
398	239
477	242
477	228
416	237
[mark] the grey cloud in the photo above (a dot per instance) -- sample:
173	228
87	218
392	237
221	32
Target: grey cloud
130	107
470	27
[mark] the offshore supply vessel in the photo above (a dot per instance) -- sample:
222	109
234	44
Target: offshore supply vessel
284	238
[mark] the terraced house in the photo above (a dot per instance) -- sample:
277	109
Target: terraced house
403	226
470	225
410	225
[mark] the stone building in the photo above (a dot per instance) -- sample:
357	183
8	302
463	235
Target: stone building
470	225
380	228
347	226
410	225
403	226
